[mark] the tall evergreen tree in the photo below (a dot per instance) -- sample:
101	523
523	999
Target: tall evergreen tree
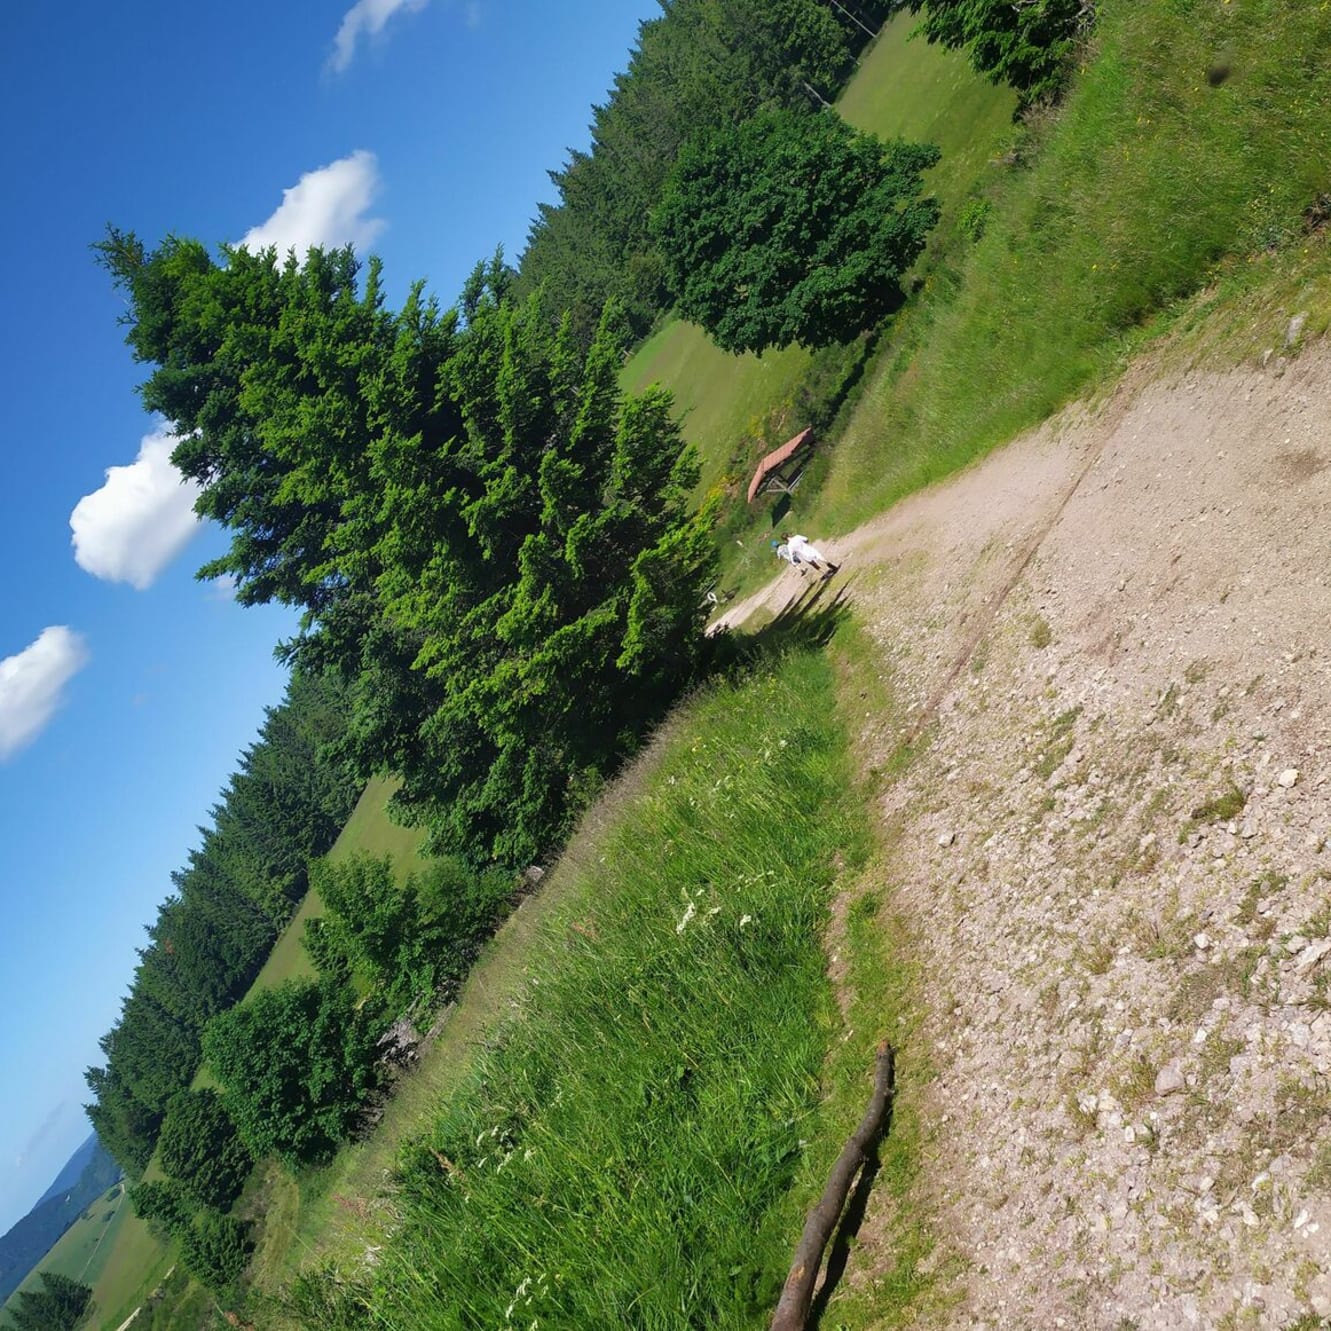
498	553
57	1306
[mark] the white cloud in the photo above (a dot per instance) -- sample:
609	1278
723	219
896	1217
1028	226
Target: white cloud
31	684
139	521
324	207
366	17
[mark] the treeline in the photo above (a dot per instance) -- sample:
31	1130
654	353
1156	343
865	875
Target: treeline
703	65
501	583
300	1063
708	65
287	801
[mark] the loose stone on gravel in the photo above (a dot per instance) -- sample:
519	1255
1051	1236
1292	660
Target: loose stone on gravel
1169	1079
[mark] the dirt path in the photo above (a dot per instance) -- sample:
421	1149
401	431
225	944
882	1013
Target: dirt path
1114	634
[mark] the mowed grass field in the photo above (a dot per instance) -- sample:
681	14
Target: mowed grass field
136	1262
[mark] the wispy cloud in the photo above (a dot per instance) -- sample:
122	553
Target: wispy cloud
325	207
139	521
44	1129
366	18
223	588
32	685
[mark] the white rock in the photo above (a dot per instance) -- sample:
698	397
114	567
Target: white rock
1289	777
1201	942
1312	954
947	838
1169	1079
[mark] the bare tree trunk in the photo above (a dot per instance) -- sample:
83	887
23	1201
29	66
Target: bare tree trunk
792	1311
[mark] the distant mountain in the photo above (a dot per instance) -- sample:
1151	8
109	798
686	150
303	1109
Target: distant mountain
74	1166
88	1173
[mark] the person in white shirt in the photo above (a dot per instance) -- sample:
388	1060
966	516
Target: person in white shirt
804	552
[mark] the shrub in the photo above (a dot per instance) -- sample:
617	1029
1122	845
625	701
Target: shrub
163	1205
296	1063
793	227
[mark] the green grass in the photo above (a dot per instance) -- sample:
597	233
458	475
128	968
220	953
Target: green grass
1148	185
727	404
636	1146
334	1211
368	830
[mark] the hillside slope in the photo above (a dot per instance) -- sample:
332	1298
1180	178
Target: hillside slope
88	1174
1110	640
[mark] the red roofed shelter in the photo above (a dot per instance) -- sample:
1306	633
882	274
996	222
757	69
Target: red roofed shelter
780	471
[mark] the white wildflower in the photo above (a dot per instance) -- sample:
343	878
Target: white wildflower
745	919
688	915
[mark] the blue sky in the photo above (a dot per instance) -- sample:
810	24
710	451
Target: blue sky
421	129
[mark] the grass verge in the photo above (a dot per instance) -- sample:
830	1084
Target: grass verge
635	1146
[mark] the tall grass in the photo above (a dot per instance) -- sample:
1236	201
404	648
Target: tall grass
1196	135
623	1154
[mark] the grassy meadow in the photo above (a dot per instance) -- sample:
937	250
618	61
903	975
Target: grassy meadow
1189	149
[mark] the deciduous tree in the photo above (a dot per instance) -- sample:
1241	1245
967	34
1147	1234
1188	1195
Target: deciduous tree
792	227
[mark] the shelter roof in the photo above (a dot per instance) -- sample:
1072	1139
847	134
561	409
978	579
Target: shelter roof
777	458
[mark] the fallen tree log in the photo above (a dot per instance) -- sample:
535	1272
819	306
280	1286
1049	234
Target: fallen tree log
792	1310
